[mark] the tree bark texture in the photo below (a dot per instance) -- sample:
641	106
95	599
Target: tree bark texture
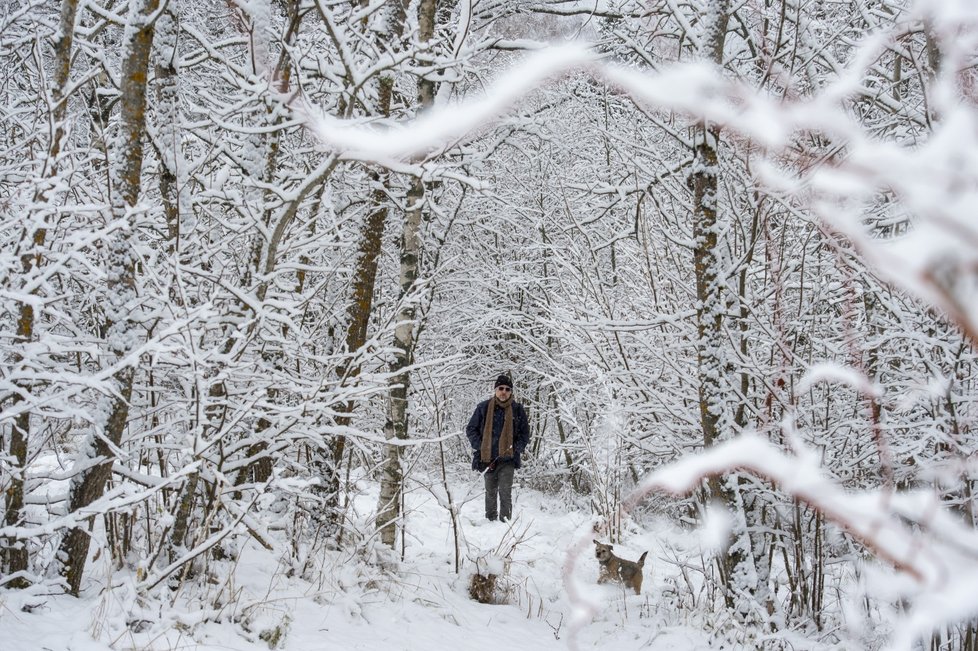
98	455
168	143
736	564
327	464
392	477
15	557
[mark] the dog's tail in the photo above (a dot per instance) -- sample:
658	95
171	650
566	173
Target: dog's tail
641	559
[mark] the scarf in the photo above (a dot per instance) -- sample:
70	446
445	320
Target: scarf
505	437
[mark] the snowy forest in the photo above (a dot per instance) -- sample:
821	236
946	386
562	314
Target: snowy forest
261	259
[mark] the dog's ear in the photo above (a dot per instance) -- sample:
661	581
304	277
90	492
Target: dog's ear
595	541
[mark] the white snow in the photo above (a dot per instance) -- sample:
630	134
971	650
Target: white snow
353	599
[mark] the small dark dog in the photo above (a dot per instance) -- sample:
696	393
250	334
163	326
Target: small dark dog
618	569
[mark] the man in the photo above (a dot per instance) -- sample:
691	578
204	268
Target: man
498	432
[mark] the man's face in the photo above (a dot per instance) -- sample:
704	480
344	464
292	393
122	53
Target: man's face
503	393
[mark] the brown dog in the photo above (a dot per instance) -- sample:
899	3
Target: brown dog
618	569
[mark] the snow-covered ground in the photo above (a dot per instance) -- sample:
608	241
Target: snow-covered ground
364	598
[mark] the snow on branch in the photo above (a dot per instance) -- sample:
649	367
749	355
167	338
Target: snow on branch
935	183
827	372
445	124
909	530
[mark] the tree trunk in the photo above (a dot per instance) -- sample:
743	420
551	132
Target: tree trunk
709	289
326	464
14	556
97	455
168	143
736	565
392	479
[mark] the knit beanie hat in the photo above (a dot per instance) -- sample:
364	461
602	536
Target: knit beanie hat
503	381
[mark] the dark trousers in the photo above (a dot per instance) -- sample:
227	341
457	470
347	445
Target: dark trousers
499	487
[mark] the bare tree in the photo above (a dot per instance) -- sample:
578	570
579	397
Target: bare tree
121	328
14	554
392	480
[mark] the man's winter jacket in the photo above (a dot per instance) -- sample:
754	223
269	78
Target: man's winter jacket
521	432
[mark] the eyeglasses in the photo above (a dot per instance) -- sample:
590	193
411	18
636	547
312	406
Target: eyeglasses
506	389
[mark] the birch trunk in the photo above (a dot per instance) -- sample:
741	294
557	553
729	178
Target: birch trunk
392	477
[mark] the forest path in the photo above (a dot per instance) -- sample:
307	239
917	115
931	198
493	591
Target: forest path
550	555
365	599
